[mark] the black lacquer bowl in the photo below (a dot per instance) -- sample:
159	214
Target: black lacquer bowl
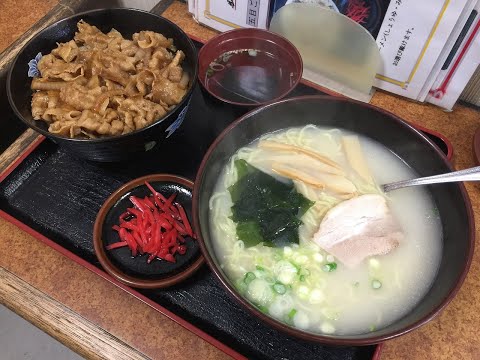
127	22
406	142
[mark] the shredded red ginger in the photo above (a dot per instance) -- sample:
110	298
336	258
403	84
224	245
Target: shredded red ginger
357	10
154	225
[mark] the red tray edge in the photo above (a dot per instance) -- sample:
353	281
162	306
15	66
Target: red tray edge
21	157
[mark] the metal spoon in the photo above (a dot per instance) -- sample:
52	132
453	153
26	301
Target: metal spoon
472	174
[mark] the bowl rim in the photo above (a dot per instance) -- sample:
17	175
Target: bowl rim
109	138
257	33
101	253
350	340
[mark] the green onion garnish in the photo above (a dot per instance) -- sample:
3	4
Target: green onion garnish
376	284
292	313
260	268
302	278
262	308
329	267
279	288
249	277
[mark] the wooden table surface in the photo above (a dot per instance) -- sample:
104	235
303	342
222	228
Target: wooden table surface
99	320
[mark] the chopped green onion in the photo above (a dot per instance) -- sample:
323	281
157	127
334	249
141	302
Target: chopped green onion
262	308
302	278
292	313
329	267
269	280
260	268
372	328
304	271
241	286
249	277
298	268
279	288
303	292
376	284
301	259
318	257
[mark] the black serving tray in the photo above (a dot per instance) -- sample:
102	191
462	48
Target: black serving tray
58	196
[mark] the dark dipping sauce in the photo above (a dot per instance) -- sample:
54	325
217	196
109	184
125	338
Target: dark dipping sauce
248	76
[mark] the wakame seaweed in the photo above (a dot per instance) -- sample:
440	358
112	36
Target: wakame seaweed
265	209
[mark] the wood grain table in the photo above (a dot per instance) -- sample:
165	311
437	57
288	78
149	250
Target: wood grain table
101	321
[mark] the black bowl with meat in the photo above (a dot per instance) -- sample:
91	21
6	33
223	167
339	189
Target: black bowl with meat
113	116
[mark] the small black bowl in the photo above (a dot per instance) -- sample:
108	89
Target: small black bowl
127	22
135	271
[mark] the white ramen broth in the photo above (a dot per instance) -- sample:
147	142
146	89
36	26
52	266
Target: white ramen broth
305	286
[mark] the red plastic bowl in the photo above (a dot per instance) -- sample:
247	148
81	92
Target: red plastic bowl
268	80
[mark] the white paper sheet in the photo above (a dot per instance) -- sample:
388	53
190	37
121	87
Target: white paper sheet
411	39
450	82
447	49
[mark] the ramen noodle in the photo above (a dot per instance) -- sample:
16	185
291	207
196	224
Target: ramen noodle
99	85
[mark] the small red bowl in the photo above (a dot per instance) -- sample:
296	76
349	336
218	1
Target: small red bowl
250	67
135	271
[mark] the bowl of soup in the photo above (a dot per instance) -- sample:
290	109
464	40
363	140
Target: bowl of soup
105	84
291	217
249	67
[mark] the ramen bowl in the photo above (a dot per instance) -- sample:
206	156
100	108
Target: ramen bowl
249	67
127	22
425	158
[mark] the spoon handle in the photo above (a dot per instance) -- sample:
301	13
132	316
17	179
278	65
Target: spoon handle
471	174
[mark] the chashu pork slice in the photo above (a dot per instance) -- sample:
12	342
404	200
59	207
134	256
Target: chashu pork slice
358	228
